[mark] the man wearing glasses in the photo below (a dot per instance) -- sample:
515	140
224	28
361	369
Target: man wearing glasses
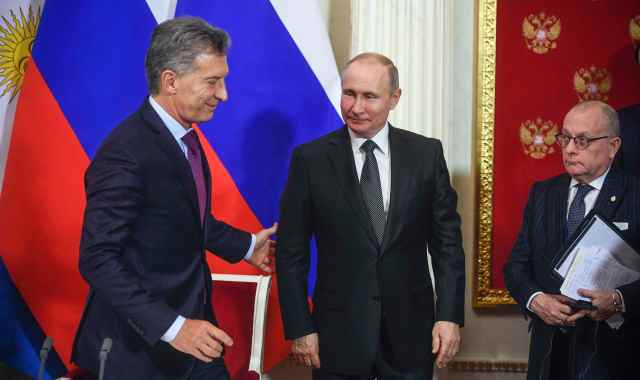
567	343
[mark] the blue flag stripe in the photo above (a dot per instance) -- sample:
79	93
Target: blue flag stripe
91	54
275	100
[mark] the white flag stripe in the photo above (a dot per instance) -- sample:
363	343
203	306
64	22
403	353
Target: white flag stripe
303	20
162	9
8	105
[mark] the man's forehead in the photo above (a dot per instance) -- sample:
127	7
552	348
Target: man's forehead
364	74
583	119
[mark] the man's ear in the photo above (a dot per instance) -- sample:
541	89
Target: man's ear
395	97
615	142
168	82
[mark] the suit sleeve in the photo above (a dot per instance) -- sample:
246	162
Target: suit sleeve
518	270
114	191
293	256
226	241
445	246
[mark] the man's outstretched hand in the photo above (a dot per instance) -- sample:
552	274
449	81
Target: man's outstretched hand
263	256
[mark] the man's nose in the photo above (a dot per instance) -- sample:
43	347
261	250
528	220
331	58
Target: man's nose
221	91
358	105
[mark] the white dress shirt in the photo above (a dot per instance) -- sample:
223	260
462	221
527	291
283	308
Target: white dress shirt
178	132
383	159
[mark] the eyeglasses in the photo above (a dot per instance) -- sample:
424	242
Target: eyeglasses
581	142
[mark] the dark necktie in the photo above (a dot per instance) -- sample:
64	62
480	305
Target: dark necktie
194	157
577	208
372	189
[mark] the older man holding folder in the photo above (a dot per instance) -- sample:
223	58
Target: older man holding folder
566	342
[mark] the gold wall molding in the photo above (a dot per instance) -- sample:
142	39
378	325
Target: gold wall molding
488	366
483	294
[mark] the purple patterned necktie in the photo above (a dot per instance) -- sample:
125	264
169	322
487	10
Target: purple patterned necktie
195	161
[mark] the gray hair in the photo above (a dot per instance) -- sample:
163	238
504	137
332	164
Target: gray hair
175	45
608	116
394	77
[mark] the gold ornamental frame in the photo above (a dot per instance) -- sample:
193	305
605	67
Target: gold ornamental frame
483	294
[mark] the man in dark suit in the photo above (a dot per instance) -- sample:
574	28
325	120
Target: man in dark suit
629	156
147	222
567	343
375	198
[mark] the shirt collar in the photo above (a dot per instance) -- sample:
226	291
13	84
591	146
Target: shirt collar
596	183
172	124
381	139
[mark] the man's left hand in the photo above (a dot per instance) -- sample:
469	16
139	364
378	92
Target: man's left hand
263	256
446	342
603	300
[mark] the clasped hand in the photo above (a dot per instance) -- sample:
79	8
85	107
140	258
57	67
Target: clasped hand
558	310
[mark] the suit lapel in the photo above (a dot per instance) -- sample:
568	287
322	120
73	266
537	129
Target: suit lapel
175	155
611	194
556	227
341	158
400	175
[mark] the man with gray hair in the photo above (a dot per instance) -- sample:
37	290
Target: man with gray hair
147	222
568	343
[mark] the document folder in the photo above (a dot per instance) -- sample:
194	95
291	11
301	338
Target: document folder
595	257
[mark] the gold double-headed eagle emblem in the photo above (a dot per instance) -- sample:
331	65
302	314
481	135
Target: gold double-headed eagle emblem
541	32
538	137
592	83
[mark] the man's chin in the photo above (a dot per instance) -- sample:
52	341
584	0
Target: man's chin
358	127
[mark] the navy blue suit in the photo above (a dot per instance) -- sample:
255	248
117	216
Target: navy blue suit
529	269
143	251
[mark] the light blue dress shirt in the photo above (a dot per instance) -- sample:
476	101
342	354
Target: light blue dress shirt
178	132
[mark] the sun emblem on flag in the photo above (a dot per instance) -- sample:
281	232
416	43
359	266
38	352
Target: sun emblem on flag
593	83
541	32
16	40
634	29
538	137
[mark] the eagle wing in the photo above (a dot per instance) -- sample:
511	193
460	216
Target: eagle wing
550	136
526	137
579	83
554	31
528	30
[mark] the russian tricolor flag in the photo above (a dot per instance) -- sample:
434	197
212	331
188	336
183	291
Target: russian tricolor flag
87	74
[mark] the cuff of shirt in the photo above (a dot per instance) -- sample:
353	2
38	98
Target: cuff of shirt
531	300
175	327
621	300
249	253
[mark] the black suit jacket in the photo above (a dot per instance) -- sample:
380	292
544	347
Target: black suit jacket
629	155
142	251
542	236
359	282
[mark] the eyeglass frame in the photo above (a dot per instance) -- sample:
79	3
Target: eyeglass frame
588	140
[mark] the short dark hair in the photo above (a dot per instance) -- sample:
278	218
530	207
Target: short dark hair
176	43
394	77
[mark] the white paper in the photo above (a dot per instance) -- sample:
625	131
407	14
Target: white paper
595	267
